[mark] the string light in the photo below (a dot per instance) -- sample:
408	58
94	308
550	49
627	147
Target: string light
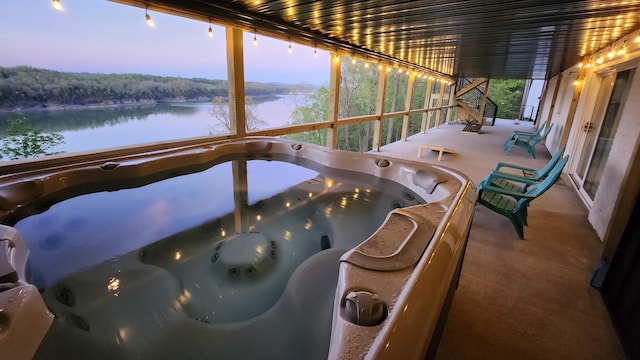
148	18
315	51
290	48
57	6
255	38
210	32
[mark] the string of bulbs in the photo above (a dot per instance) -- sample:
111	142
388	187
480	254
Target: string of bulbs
57	5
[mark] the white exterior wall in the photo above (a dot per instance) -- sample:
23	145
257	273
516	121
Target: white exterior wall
613	191
620	182
562	107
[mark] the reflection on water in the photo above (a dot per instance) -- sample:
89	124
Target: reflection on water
100	128
203	263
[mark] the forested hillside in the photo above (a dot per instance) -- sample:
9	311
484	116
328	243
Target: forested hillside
27	87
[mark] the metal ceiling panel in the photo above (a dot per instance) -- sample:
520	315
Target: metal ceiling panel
472	38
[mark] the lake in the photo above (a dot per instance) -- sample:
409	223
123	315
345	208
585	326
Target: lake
91	129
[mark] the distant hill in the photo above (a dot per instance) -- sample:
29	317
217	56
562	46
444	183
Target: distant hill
27	87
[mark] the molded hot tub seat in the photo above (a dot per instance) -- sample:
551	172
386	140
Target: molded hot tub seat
358	295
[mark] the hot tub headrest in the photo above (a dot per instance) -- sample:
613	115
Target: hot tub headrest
427	180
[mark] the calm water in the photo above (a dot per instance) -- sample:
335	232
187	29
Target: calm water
165	271
90	129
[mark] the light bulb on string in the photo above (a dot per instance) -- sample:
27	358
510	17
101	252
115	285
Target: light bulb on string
210	32
148	19
290	49
315	51
57	6
255	38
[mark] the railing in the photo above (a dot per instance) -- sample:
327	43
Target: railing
473	98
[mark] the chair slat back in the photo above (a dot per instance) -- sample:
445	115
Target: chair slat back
538	189
544	134
552	162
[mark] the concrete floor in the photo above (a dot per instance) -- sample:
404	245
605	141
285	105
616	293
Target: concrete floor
520	299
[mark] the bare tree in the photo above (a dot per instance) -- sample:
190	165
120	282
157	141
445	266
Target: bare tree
220	112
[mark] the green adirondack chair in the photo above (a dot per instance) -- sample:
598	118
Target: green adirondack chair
510	198
518	132
530	173
527	142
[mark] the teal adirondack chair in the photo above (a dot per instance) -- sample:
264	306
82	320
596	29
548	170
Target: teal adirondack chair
510	198
530	173
515	134
527	142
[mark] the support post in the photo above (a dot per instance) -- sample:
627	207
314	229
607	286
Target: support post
407	106
334	99
377	124
485	94
427	104
552	107
440	98
577	90
235	73
452	99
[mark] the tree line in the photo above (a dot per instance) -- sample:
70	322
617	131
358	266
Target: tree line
358	96
24	86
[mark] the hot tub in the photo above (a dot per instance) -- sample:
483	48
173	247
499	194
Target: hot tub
256	248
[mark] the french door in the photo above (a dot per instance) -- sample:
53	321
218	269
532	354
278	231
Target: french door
596	139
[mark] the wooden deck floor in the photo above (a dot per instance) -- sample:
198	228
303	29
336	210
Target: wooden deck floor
520	299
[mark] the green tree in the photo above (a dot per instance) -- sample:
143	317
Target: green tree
309	107
358	94
24	141
508	95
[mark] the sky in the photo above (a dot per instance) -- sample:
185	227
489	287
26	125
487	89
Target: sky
100	36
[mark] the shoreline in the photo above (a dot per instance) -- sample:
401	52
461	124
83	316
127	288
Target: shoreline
63	107
44	107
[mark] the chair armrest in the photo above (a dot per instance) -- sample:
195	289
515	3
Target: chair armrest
512	166
515	195
520	132
526	136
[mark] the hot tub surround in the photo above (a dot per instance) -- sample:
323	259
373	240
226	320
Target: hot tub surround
374	285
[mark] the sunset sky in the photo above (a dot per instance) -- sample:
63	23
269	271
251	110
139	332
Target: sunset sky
106	37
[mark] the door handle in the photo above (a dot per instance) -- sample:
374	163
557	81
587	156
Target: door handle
587	127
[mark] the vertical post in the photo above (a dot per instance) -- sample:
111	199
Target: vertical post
440	98
407	106
484	101
235	73
334	100
427	104
377	124
452	99
577	90
552	107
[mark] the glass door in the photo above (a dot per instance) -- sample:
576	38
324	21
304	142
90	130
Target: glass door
598	134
